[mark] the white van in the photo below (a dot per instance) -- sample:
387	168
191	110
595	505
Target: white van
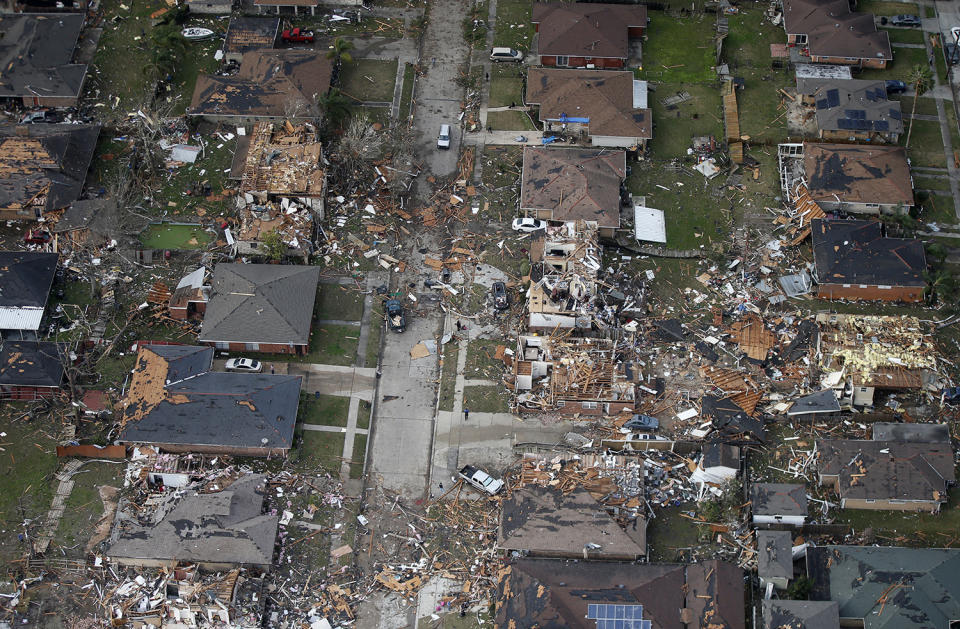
505	54
443	140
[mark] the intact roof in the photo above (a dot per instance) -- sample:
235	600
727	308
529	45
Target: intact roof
833	31
246	34
36	54
44	165
260	303
554	594
174	399
774	554
269	83
853	105
31	364
778	499
575	184
856	252
603	96
888	470
586	29
913	433
548	522
790	614
25	281
920	586
857	173
223	527
717	454
820	402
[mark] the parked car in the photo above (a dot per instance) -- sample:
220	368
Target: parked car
297	36
643	436
481	480
896	87
951	395
443	140
955	34
528	224
501	300
505	54
905	20
245	365
37	237
952	54
396	318
641	422
34	116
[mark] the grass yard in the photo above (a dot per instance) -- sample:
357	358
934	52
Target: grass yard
904	35
506	85
376	324
448	381
509	121
338	302
85	506
669	534
904	60
513	27
319	449
931	183
369	80
211	168
759	106
908	529
325	410
747	45
363	414
938	208
926	144
486	399
198	60
406	94
359	455
673	128
925	106
930	11
679	50
333	345
887	7
480	362
171	236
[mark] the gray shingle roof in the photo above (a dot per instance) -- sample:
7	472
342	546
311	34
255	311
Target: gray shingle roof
787	614
774	554
26	278
778	499
36	53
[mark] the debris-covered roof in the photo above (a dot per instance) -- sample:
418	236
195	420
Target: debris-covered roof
731	423
820	402
31	364
269	83
888	470
774	555
36	54
174	398
857	252
914	587
586	29
90	214
247	34
832	30
25	281
853	105
546	522
223	527
778	499
284	159
44	165
260	303
574	184
913	432
790	614
605	97
857	173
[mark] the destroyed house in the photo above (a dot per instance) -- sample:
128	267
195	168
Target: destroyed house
827	31
30	370
573	376
249	34
260	308
218	531
87	222
817	406
564	184
562	298
36	53
888	587
25	281
587	34
790	614
176	403
887	475
861	179
558	594
854	260
609	108
44	166
852	110
270	85
779	503
190	297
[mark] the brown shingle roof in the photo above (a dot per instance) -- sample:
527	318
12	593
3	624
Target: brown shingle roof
857	173
587	29
247	34
603	96
833	31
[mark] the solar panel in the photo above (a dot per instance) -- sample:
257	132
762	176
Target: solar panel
833	97
822	103
880	94
870	95
843	123
881	125
864	125
895	114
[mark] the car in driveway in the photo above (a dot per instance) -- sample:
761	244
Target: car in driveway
501	300
443	138
952	54
896	87
396	318
528	224
244	365
505	54
640	422
905	20
481	480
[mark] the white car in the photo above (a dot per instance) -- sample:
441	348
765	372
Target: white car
481	480
505	54
443	139
528	224
247	365
955	34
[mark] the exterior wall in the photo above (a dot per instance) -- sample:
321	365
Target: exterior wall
866	292
173	563
830	205
617	141
840	135
790	520
210	6
636	31
778	582
581	62
26	214
876	64
180	448
27	393
607	232
571	407
50	101
263	348
891	505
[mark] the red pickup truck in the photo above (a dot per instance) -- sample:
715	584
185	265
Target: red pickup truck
297	36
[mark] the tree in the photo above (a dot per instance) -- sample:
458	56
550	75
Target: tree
334	105
339	51
274	244
169	48
920	78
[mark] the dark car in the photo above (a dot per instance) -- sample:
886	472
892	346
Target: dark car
396	318
501	301
37	237
952	54
905	20
641	422
951	395
896	87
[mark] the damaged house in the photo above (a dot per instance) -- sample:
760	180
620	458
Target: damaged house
176	403
44	166
190	297
30	370
260	308
37	55
249	34
779	503
852	110
25	281
587	34
562	298
609	108
790	614
568	184
828	32
887	475
270	85
283	186
217	531
854	260
557	594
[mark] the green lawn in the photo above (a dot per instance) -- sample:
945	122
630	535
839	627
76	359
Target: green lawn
334	301
448	379
904	60
513	26
909	529
480	362
369	80
334	345
486	399
904	35
926	144
747	45
198	60
171	236
209	169
930	11
376	325
506	85
925	106
325	410
938	208
363	414
319	449
406	95
887	7
931	183
84	506
509	121
669	534
679	50
359	454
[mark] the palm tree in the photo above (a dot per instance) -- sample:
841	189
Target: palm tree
920	78
334	105
169	48
339	51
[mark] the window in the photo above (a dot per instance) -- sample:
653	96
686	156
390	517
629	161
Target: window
253	347
561	403
588	405
222	345
563	61
869	501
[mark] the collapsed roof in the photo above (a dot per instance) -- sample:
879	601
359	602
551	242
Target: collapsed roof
248	34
